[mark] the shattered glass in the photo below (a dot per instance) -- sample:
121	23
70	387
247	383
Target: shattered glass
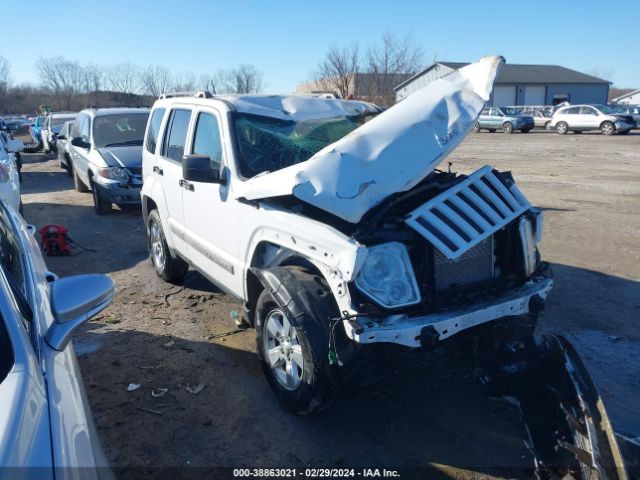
266	144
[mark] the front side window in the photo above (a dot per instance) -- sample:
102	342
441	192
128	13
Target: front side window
587	111
119	129
267	144
175	137
154	129
206	140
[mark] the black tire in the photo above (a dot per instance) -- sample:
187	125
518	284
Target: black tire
101	205
577	131
316	388
562	128
168	268
507	127
476	127
77	183
607	128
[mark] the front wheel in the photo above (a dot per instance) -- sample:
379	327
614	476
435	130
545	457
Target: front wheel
562	128
101	205
167	267
507	128
293	366
476	127
607	128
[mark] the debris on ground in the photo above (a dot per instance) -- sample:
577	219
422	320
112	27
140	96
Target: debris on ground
159	392
170	344
194	390
150	410
133	386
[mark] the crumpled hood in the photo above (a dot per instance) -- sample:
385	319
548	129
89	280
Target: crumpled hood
127	156
391	153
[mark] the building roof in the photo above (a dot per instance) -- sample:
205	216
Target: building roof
518	73
628	94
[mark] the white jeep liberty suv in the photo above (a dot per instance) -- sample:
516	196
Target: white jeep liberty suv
331	222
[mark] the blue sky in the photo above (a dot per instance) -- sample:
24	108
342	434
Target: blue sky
286	39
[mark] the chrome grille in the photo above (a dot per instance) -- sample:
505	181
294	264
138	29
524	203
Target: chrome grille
462	216
473	266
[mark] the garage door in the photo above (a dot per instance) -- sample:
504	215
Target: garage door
504	96
534	95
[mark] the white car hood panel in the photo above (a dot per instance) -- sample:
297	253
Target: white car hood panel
391	153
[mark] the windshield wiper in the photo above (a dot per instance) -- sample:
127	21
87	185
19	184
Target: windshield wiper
128	142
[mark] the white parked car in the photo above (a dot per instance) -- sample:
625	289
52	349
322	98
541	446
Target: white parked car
46	427
106	155
9	175
52	125
331	223
581	118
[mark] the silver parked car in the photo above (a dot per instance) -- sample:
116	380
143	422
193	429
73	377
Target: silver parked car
581	118
46	427
63	146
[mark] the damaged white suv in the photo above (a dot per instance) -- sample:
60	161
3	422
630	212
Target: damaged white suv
330	221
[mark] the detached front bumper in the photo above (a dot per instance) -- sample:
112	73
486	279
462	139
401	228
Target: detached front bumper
121	193
412	331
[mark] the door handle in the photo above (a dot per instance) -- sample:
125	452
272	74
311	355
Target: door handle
186	185
158	170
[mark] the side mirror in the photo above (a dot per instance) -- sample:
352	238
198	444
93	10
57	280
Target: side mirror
15	146
200	168
79	142
74	300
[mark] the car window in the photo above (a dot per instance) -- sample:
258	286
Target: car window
13	266
119	129
154	129
485	112
6	352
80	128
571	111
587	111
175	136
207	138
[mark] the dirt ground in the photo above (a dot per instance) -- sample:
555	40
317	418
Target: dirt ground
430	413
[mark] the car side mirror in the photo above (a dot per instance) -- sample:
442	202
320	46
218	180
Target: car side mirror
79	142
15	146
200	168
74	300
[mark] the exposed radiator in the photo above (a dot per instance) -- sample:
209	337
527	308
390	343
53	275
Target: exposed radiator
473	266
461	217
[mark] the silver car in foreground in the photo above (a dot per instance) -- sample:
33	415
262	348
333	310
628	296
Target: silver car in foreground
46	427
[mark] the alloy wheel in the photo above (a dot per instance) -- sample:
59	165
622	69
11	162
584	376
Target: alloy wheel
283	350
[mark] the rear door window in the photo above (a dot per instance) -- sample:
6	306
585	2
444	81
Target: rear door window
175	136
154	130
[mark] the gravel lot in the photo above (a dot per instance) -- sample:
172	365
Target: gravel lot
429	413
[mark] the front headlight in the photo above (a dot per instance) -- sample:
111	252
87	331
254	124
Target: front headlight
387	276
528	241
113	173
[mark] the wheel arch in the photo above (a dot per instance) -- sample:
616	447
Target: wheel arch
268	258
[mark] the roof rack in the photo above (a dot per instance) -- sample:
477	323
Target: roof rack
198	94
95	107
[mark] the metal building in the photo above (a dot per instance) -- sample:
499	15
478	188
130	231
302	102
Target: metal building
522	84
631	98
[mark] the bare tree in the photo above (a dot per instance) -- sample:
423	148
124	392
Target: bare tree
123	78
338	70
387	65
5	82
248	79
93	76
224	81
63	77
186	82
156	79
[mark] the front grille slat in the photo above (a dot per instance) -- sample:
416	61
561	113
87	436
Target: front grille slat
461	217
